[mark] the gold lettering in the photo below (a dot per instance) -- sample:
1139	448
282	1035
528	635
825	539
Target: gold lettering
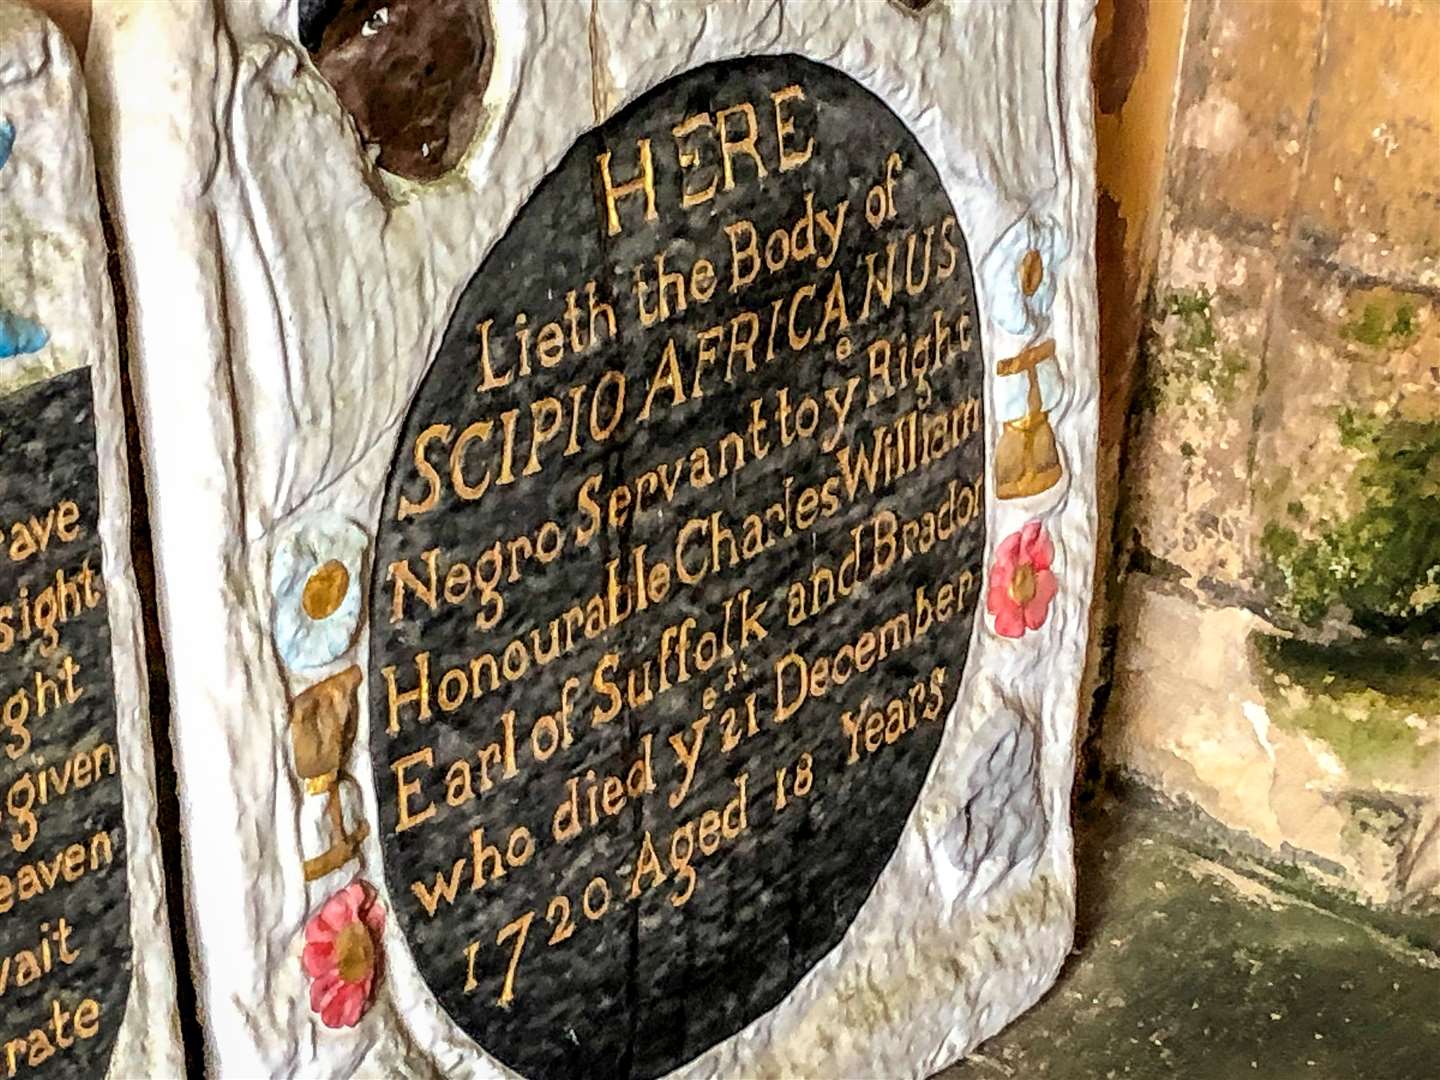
643	182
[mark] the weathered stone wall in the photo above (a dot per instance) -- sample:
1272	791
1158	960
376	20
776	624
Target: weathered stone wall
1281	489
1136	60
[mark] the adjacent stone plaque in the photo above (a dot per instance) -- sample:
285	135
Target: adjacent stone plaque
676	571
65	949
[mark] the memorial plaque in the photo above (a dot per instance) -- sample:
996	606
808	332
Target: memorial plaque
577	537
65	948
87	983
676	571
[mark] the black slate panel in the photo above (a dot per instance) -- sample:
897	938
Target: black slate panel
64	906
655	978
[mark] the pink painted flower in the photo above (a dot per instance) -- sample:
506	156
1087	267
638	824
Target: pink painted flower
342	954
1021	584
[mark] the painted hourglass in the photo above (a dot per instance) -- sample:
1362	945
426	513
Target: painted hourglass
1021	271
322	729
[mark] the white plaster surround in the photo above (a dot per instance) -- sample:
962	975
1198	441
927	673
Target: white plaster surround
282	313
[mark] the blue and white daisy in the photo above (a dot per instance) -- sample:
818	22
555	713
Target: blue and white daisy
1021	271
316	585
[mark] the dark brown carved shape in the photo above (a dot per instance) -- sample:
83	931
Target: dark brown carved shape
412	73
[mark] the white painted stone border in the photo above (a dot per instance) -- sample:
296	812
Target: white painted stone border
274	363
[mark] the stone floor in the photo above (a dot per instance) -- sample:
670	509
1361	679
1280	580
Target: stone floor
1205	967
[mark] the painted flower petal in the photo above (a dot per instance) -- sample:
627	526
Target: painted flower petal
1029	532
1039	606
1035	546
345	1008
334	1011
318	958
323	989
1010	622
374	916
337	912
1006	556
1002	573
319	932
355	897
19	335
355	908
1029	549
7	141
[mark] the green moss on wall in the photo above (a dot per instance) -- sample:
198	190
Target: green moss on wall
1370	703
1382	326
1185	352
1383	562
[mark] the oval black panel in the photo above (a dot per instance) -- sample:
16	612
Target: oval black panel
789	458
